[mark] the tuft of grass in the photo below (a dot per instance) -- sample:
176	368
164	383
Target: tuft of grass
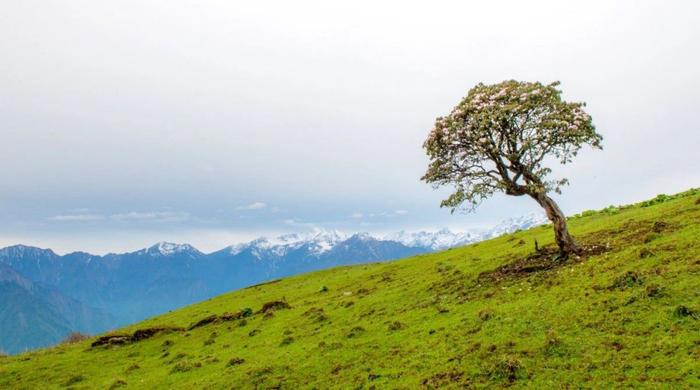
73	379
117	384
627	280
185	366
507	368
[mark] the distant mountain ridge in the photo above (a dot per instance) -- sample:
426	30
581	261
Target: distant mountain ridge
33	316
135	285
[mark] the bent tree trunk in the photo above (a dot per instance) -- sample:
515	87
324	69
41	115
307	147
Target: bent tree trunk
566	243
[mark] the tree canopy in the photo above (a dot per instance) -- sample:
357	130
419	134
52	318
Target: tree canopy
499	138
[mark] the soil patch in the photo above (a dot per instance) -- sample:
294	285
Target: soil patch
274	306
138	335
222	318
543	260
443	379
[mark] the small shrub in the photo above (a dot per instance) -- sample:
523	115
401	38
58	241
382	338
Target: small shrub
74	379
485	314
610	210
683	311
204	321
653	291
132	367
651	237
627	280
167	343
185	366
274	306
316	315
75	337
553	345
209	342
323	289
661	198
118	383
286	341
645	253
235	362
507	368
396	325
616	345
211	359
659	226
354	332
588	213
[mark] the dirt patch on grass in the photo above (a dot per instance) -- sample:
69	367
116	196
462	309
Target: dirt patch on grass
545	259
274	306
138	335
444	379
354	332
660	226
212	319
316	315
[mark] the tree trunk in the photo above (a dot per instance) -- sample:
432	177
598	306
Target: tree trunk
566	243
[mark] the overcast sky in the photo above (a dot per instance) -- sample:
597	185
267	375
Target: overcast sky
123	123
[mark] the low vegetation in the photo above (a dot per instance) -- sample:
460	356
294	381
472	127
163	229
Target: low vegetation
623	313
75	337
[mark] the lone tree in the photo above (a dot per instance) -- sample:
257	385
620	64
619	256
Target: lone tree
499	138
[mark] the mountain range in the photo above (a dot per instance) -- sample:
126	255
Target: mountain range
44	296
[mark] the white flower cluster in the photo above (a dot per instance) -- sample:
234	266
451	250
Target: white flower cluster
580	117
525	95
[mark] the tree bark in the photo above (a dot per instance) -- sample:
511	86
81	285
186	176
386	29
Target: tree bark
567	244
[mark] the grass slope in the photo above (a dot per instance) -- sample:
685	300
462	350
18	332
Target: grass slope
624	317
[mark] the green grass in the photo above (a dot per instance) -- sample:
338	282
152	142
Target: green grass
628	317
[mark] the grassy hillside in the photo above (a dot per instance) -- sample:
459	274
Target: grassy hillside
490	314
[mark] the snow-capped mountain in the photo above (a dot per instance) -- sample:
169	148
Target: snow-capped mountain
317	243
517	223
169	249
438	240
445	238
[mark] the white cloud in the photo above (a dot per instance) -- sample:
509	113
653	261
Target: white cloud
385	214
149	216
76	218
253	206
300	224
357	215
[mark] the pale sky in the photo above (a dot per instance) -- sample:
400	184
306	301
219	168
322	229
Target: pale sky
123	123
